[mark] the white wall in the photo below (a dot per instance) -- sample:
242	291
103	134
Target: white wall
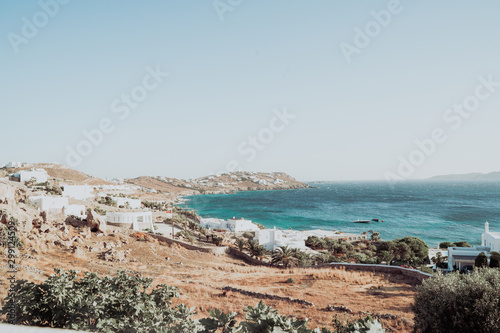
57	204
241	225
79	192
49	203
131	217
40	175
77	210
133	203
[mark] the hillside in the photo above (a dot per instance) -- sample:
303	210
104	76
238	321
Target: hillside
224	183
62	172
492	176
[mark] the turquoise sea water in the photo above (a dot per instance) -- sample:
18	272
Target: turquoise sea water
432	211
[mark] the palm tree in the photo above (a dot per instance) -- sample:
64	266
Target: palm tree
256	250
240	243
285	257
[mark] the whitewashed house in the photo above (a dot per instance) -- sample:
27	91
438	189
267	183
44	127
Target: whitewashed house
490	239
464	257
131	220
272	239
212	223
127	202
234	225
76	210
57	205
40	175
49	203
78	192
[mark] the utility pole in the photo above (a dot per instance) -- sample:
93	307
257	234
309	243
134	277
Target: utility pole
172	220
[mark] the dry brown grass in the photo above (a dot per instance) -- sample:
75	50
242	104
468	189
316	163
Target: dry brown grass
200	277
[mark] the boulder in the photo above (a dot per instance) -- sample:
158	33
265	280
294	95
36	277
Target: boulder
78	252
7	194
96	222
114	255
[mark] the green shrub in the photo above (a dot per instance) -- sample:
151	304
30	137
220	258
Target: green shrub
461	244
481	260
445	245
122	304
459	303
494	259
91	303
290	280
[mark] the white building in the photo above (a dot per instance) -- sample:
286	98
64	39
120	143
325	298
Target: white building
132	203
131	220
49	203
490	239
40	175
464	257
78	192
57	205
241	225
76	210
212	223
272	239
14	165
234	225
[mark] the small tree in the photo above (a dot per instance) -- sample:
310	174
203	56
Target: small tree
461	244
285	257
445	245
481	260
494	259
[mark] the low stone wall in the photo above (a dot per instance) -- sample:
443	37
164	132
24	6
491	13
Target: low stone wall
246	258
411	273
215	250
268	296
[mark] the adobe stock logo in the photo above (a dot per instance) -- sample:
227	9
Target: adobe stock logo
363	37
223	6
453	118
249	148
31	28
121	106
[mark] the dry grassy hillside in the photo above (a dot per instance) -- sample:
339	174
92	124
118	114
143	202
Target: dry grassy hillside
201	277
61	172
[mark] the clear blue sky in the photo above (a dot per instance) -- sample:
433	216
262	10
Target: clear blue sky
353	120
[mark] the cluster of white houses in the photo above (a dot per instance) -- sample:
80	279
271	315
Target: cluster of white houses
59	204
274	238
234	225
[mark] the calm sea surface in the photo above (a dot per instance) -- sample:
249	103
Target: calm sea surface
432	211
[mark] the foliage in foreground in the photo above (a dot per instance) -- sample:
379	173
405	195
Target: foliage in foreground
459	303
122	304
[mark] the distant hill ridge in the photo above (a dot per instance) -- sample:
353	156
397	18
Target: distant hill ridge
220	183
469	176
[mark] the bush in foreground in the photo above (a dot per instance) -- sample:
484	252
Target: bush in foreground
459	303
122	304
